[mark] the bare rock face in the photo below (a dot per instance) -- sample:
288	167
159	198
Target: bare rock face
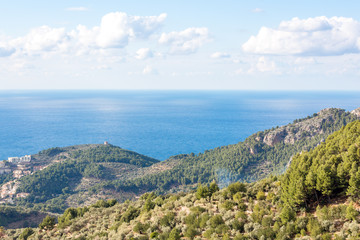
275	137
356	112
304	128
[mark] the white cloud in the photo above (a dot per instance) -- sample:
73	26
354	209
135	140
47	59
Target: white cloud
220	55
148	70
116	30
319	36
144	53
42	39
257	10
77	9
185	42
263	65
304	60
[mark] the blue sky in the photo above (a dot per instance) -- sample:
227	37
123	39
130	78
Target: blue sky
257	45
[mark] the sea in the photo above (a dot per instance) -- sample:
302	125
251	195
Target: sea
158	124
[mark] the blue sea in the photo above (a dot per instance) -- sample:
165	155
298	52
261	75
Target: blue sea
155	123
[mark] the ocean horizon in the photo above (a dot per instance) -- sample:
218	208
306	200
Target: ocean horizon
156	123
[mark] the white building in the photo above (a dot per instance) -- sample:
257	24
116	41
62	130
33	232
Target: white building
26	158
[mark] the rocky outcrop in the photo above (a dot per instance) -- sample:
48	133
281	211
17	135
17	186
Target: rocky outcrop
275	136
304	128
356	112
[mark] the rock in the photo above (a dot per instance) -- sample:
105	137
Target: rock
356	112
275	136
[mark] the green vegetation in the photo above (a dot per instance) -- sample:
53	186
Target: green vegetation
316	197
109	153
329	170
9	215
50	186
247	161
6	177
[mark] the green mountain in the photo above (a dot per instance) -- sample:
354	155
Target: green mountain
80	175
261	154
316	198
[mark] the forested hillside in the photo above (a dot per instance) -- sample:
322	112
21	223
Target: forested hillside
264	153
316	198
330	170
81	175
50	187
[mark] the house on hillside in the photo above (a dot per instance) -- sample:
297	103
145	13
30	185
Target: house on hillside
24	159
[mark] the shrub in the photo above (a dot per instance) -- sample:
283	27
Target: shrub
130	214
167	220
228	205
351	212
314	227
260	195
216	220
190	232
287	214
47	223
26	233
174	234
236	187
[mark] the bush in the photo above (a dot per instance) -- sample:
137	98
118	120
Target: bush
236	187
47	223
216	220
130	214
167	220
190	232
174	234
287	214
260	195
228	205
314	227
26	233
351	212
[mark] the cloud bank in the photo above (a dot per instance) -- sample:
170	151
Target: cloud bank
116	30
319	36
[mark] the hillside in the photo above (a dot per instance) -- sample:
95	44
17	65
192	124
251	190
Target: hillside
81	175
67	173
259	210
261	154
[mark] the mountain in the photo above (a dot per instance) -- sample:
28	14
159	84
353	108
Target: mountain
80	175
57	177
261	154
316	198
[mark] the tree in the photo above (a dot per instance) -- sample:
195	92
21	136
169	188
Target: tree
287	215
47	223
174	234
202	192
26	233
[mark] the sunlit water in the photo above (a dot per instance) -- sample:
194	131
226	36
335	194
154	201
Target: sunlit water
155	123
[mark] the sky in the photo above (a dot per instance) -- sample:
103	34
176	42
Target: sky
141	44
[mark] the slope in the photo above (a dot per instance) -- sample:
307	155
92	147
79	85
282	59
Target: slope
240	211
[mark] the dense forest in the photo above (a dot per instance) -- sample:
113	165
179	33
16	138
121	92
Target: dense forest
331	169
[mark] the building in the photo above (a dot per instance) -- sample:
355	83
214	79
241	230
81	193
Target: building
24	159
